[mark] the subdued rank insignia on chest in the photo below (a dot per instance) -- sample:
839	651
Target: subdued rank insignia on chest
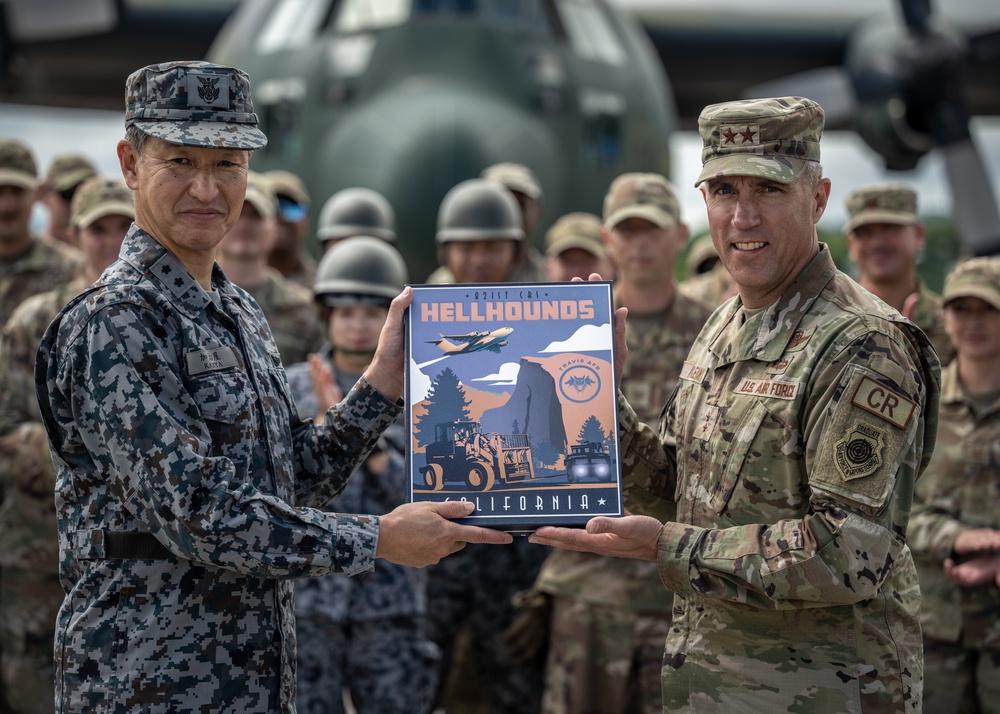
860	452
799	339
210	360
888	404
779	366
705	426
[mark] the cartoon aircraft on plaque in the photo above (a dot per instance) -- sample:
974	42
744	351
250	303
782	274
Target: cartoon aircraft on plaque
473	341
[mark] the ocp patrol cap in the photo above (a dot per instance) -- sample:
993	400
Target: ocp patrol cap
767	138
17	165
977	277
98	197
894	203
575	230
641	195
193	104
67	171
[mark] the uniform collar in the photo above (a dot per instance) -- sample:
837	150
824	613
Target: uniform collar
767	333
145	254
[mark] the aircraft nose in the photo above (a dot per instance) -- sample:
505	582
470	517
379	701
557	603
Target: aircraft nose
417	140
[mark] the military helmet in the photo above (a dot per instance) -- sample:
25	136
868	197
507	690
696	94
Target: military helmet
479	210
357	211
361	270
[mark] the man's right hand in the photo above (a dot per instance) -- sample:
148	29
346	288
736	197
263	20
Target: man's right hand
421	534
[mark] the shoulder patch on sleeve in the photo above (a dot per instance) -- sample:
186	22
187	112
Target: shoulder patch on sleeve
859	453
884	402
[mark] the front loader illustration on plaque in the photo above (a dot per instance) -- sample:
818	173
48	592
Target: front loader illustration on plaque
511	402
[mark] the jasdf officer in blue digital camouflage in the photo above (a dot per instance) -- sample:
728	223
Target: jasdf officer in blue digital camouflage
186	484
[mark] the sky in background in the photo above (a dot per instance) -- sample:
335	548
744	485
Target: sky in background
847	160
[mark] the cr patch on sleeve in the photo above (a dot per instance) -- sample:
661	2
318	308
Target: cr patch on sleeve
878	399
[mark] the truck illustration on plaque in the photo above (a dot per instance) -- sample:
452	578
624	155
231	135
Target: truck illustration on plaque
516	410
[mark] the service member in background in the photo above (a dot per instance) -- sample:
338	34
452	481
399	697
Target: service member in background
707	278
527	191
28	264
805	412
186	486
469	598
366	635
479	235
65	175
610	616
355	211
884	238
243	256
955	528
573	249
289	256
30	597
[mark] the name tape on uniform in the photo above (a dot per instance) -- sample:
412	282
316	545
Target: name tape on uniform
774	388
875	397
210	360
692	372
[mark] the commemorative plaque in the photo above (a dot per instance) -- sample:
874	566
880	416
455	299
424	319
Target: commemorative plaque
511	402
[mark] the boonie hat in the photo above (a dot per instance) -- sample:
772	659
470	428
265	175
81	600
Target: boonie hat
259	195
977	277
881	203
100	196
639	195
67	171
193	104
17	165
575	230
768	138
516	177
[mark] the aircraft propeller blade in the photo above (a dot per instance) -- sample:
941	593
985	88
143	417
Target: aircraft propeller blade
831	87
974	206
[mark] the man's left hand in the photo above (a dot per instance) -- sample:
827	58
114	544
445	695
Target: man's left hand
385	373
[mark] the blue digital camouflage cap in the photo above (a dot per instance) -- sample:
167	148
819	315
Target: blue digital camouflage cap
193	104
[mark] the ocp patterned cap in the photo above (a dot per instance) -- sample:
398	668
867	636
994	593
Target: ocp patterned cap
193	104
99	196
881	203
68	170
17	165
575	230
768	138
639	195
977	277
516	177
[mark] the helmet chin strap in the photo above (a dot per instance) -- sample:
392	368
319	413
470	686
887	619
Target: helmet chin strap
354	353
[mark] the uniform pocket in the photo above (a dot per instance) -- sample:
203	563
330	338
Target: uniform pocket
222	396
735	454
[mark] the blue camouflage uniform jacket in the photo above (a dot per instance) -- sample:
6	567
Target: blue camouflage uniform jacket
169	418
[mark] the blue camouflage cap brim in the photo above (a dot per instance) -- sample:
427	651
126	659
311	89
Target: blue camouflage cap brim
193	104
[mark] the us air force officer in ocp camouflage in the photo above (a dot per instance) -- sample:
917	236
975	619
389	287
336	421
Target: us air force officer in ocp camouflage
805	412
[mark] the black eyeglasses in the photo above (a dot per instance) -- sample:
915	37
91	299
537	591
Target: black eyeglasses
68	193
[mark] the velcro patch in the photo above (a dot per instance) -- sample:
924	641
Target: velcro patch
883	402
859	453
692	372
799	339
774	388
210	360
